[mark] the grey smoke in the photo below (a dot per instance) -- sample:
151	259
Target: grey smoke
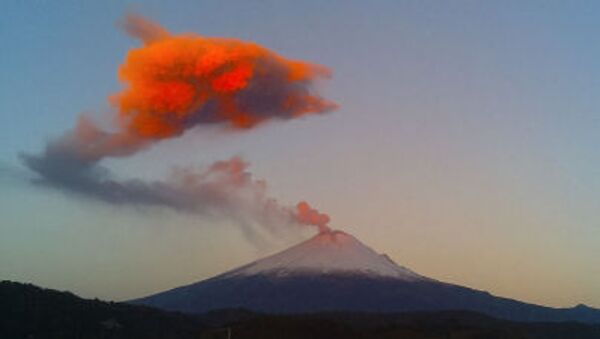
223	190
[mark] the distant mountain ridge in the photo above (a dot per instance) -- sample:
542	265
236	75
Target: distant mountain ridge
334	271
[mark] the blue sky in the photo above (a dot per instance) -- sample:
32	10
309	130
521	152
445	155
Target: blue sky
465	146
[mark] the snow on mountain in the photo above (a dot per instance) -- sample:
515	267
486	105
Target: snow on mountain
325	253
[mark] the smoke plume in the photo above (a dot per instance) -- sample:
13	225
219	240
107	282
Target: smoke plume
173	83
310	216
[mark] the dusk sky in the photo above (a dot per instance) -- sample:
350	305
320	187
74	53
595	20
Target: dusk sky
465	146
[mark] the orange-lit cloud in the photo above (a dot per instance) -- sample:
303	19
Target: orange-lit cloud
175	82
307	215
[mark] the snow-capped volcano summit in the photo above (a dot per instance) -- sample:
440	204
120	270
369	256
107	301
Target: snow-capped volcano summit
330	252
334	271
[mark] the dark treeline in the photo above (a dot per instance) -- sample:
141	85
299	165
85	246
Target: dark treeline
27	311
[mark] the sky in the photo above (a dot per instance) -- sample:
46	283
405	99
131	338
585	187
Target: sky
465	145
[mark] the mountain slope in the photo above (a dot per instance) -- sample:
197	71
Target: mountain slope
336	272
328	253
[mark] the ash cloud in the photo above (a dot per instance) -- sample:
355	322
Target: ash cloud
174	83
225	190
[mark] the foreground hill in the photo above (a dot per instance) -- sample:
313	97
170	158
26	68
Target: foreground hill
334	271
27	311
414	325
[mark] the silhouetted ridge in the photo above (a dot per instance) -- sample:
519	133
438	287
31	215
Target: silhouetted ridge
27	311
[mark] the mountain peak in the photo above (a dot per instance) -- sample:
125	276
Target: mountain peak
334	238
329	252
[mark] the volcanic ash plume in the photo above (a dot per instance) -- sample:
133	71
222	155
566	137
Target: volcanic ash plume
172	84
310	216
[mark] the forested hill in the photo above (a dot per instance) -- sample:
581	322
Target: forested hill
31	312
28	311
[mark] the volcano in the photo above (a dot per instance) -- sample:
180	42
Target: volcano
334	271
